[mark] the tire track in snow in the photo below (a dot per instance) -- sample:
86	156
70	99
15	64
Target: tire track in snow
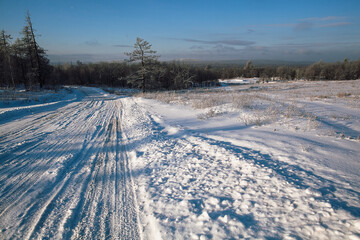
90	199
30	132
33	177
109	192
60	194
33	171
90	196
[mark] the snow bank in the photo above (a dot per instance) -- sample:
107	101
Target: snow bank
219	178
22	103
238	81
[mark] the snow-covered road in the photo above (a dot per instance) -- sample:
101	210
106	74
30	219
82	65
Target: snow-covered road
100	166
64	171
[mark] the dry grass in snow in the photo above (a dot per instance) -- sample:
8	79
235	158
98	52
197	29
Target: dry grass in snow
296	105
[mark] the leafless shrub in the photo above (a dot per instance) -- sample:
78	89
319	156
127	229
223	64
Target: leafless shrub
292	110
316	97
165	97
206	101
242	101
209	114
313	122
261	117
254	118
305	148
343	95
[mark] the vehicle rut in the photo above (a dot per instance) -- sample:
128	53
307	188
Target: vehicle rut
74	182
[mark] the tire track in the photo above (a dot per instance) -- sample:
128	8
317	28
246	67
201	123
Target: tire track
31	132
69	193
91	193
33	172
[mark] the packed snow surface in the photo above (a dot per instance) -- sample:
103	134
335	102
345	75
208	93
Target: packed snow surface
262	161
238	81
64	171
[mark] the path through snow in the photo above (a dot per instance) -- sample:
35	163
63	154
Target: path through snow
97	166
64	172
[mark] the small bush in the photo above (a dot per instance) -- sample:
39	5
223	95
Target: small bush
242	101
209	114
206	101
343	95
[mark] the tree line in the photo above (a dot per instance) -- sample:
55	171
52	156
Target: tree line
345	70
157	76
175	75
24	63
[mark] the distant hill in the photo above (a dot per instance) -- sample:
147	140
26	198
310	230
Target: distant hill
88	58
84	58
231	63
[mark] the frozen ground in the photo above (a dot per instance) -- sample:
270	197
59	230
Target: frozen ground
64	171
260	161
238	81
266	161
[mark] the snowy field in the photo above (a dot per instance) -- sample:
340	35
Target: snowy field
238	81
254	161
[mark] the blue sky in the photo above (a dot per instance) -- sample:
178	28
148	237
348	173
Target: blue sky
210	30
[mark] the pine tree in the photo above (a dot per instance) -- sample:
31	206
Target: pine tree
20	53
35	55
5	49
143	54
248	68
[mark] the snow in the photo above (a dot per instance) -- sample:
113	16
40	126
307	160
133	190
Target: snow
259	161
219	177
64	171
238	81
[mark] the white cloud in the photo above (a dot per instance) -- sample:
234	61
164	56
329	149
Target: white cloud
232	42
320	19
335	24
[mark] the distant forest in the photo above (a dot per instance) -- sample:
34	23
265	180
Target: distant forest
24	63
